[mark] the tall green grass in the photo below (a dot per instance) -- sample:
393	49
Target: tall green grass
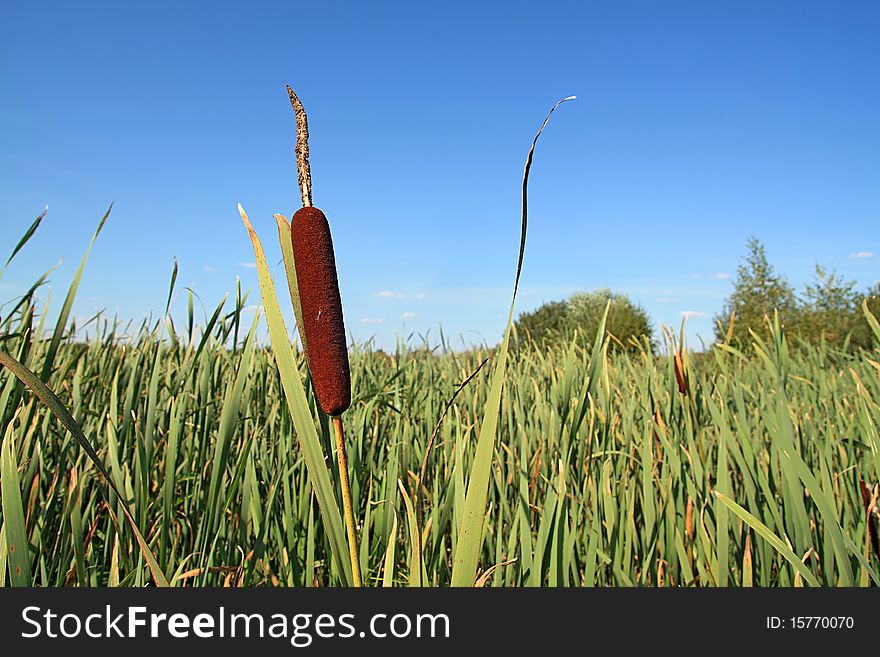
602	471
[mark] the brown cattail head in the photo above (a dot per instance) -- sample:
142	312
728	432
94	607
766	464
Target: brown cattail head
681	376
322	327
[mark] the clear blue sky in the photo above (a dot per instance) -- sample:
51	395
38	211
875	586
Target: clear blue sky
697	125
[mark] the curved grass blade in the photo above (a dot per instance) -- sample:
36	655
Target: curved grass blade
764	531
421	480
24	239
171	287
872	321
50	399
827	511
68	305
300	412
23	300
470	533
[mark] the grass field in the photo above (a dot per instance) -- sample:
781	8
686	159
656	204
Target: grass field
625	470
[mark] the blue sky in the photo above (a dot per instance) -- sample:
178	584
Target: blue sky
697	125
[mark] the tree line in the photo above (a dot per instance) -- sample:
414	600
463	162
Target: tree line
829	310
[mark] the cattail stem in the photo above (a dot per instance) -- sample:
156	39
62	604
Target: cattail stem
346	500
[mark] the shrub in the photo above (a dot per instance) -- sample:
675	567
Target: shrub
579	316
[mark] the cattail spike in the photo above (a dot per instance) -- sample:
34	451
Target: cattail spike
323	327
303	170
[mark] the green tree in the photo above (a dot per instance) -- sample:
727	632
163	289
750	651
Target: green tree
558	321
863	335
547	324
758	291
830	311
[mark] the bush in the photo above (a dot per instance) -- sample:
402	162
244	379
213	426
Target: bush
579	315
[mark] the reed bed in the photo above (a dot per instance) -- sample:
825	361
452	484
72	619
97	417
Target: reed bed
718	469
566	466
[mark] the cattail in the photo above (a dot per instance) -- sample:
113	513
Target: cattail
321	306
681	376
321	310
323	329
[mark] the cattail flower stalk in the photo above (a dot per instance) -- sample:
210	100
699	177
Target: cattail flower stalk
323	328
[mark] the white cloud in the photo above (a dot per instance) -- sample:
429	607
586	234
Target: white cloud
862	254
249	265
687	314
388	294
664	299
720	276
408	315
209	268
372	320
421	295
